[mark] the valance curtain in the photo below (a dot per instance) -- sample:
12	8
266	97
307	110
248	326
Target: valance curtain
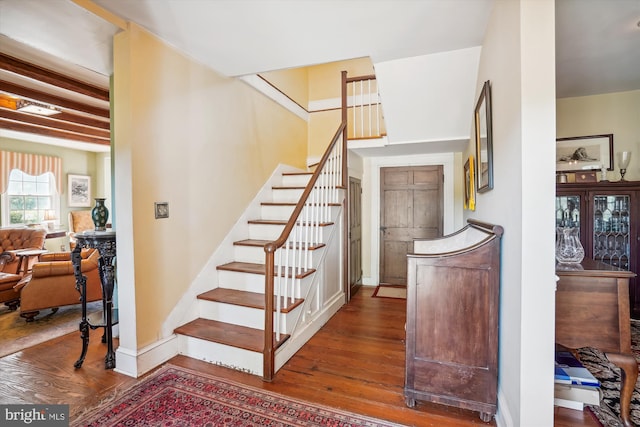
33	164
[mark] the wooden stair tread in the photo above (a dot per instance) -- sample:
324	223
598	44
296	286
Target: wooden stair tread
287	187
280	222
227	333
292	204
296	173
254	268
261	243
246	299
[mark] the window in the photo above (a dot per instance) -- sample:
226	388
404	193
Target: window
29	198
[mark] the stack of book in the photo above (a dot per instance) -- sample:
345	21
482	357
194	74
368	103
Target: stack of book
574	385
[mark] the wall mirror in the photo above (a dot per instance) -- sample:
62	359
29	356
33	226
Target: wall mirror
484	143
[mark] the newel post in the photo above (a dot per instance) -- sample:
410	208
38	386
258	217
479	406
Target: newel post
268	354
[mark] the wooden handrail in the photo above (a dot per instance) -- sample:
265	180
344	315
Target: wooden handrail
271	247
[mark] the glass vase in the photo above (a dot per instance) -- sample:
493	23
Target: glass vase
569	250
99	215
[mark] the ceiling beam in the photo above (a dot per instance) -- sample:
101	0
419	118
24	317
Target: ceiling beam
23	127
25	69
53	122
57	101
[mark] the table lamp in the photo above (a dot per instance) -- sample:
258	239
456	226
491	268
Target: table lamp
50	218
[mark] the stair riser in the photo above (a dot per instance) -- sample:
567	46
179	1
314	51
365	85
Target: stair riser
295	180
257	255
272	232
243	316
221	354
284	212
252	282
286	195
276	212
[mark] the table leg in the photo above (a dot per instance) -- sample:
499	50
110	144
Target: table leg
107	276
629	374
81	286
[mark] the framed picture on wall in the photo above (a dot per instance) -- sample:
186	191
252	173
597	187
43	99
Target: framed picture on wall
584	153
79	191
484	140
469	185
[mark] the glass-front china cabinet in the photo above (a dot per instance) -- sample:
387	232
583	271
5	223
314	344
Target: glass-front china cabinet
607	215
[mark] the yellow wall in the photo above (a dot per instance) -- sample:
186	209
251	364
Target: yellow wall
202	142
325	83
325	79
293	82
616	113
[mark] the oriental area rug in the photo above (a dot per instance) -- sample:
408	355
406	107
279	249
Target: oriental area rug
176	396
609	376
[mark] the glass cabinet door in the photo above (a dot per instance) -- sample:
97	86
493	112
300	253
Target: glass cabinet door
568	211
611	229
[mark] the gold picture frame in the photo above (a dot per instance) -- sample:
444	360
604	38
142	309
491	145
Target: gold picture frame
469	187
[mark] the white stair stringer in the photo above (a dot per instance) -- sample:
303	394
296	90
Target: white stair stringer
323	296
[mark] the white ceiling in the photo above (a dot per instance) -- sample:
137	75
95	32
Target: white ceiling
597	48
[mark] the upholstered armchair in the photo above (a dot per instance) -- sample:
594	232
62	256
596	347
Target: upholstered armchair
14	239
8	295
53	283
79	221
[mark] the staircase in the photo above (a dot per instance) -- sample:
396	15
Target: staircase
307	280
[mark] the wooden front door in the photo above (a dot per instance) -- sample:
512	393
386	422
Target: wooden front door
411	203
355	235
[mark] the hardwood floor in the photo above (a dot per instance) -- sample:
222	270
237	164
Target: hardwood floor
356	363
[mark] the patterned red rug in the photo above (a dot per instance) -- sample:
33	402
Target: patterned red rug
176	396
608	374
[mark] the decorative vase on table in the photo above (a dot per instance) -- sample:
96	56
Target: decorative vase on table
569	250
99	215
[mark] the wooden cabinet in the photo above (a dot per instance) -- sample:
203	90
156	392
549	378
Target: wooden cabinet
453	299
608	216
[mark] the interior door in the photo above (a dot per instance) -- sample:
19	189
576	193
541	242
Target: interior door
411	201
355	235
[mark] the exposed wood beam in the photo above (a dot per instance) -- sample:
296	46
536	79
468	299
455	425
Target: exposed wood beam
52	122
34	72
37	95
22	127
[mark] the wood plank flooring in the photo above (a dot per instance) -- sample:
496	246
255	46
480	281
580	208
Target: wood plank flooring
356	363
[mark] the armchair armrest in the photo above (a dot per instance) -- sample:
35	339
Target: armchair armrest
56	256
6	257
62	268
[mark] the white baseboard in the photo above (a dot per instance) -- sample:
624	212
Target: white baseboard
503	416
137	363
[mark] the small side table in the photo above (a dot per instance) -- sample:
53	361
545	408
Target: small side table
24	259
105	243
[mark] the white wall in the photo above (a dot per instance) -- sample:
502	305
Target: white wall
518	57
371	203
429	97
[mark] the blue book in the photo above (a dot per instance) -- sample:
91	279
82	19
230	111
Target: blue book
561	376
576	371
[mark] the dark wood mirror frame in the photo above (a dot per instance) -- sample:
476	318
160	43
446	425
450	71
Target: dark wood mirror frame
484	140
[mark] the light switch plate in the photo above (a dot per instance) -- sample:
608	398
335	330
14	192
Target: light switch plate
162	209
